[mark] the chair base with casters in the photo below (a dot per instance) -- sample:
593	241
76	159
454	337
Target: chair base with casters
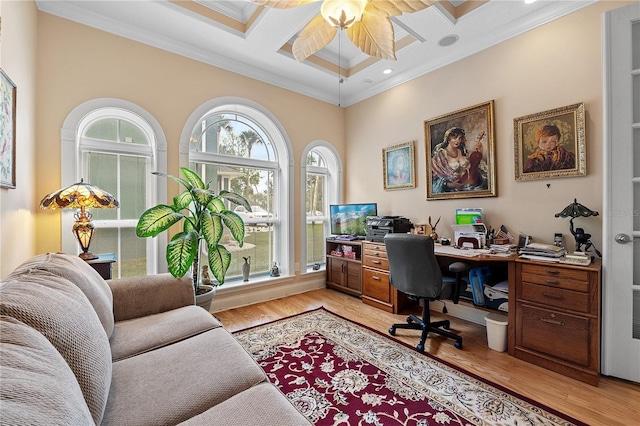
425	324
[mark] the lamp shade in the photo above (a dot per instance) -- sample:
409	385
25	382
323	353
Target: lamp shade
576	209
81	196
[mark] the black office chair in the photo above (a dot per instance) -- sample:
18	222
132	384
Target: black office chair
414	270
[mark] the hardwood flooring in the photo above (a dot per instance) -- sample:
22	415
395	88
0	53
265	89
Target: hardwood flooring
613	402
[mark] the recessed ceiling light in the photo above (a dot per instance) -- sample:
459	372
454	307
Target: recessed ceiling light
529	1
367	81
387	71
448	40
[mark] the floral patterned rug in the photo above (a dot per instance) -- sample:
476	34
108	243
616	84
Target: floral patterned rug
337	372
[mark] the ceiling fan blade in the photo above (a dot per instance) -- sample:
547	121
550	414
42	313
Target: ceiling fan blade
374	36
316	35
282	4
397	7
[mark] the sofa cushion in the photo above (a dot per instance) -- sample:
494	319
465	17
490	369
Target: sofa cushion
262	404
36	384
79	273
138	335
174	383
59	310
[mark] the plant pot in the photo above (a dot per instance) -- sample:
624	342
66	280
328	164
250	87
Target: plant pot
205	300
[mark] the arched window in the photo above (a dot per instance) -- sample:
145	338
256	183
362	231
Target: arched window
238	146
115	146
322	174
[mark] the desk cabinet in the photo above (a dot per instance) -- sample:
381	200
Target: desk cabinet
557	318
376	288
343	273
103	264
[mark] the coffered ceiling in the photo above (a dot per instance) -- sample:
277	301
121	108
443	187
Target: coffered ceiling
255	41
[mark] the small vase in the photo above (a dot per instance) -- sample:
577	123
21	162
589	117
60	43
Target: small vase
246	268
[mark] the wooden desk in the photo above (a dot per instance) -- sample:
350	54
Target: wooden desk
554	308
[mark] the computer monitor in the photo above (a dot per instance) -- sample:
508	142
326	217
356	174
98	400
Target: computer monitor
468	216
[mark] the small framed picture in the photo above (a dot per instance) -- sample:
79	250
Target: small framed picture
550	144
7	132
398	166
460	151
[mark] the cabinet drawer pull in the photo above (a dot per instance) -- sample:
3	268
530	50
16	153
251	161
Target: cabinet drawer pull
552	282
376	254
553	296
552	321
377	262
375	277
552	272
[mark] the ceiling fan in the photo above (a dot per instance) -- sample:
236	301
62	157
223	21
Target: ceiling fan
366	22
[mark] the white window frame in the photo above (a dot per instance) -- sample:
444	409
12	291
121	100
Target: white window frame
283	196
73	169
333	187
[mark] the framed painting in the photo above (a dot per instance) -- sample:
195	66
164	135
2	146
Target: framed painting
7	131
550	144
398	166
460	149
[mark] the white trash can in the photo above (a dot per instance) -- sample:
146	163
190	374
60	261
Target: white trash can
497	331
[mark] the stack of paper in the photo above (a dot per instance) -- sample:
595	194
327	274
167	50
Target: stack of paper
543	252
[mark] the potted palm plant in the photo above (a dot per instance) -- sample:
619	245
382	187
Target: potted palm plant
204	216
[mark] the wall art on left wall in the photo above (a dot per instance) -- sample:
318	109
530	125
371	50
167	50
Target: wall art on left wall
7	132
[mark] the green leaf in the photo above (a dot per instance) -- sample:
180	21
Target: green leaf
202	196
183	200
181	251
177	179
235	198
216	205
210	228
235	225
193	178
219	261
157	219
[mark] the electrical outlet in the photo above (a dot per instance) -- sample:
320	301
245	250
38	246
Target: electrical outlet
296	266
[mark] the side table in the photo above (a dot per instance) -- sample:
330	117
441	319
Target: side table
103	264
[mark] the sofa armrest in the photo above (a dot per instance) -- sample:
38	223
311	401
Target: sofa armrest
135	297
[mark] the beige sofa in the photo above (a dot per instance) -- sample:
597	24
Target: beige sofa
78	350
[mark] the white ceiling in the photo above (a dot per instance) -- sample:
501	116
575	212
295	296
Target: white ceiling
254	41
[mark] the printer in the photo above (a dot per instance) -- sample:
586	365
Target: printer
470	236
379	226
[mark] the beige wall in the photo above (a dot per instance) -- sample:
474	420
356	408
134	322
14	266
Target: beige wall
78	63
18	60
555	65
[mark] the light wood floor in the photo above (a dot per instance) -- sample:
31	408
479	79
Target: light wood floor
613	402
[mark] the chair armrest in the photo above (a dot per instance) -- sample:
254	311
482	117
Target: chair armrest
135	297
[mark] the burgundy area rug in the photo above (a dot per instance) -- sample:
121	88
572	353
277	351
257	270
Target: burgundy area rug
337	372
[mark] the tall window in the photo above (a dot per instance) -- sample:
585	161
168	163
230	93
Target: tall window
115	150
322	174
240	149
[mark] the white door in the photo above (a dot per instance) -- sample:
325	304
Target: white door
621	239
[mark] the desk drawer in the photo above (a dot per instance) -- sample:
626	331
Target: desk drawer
376	262
373	246
376	285
557	297
375	253
560	335
556	275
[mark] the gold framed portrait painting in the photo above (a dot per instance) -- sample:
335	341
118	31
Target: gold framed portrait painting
398	166
7	132
550	144
460	149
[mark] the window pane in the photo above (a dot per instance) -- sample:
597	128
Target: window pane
106	129
315	242
130	133
315	217
315	195
133	175
102	172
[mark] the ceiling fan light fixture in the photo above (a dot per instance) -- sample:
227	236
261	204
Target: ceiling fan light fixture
342	13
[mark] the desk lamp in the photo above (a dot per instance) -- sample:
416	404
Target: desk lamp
81	196
574	210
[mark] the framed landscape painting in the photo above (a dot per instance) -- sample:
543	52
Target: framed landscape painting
460	150
550	144
7	131
398	166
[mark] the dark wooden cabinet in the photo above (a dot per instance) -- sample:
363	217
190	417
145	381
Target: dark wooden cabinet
557	318
344	266
103	264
